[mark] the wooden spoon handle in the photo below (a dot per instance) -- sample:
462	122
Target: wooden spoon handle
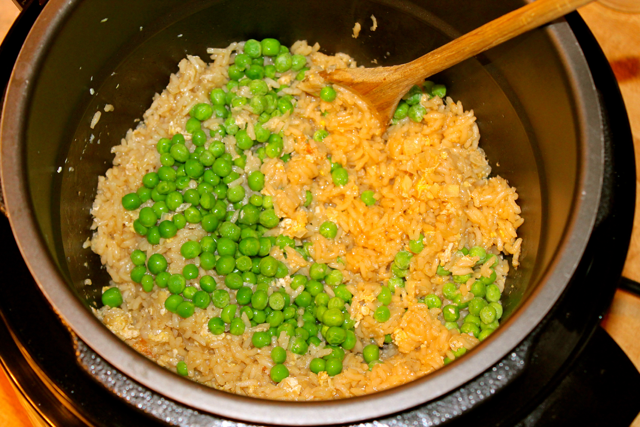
487	36
383	87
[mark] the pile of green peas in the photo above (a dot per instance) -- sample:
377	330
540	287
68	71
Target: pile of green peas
410	105
479	312
199	186
313	317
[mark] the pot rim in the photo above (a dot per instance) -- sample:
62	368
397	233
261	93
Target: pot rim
88	328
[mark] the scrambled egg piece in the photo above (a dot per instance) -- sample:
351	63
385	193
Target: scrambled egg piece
120	323
291	385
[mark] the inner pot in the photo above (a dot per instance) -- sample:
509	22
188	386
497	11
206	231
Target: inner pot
534	99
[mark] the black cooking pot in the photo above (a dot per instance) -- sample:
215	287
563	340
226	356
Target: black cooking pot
538	111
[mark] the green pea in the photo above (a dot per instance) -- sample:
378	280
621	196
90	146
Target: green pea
275	318
462	279
385	295
138	257
201	111
317	365
208	284
304	299
493	293
416	113
342	292
162	279
176	283
173	302
308	198
479	252
313	287
470	328
484	334
401	111
488	314
276	301
268	266
328	229
433	301
278	373
268	218
153	236
243	140
320	135
261	339
283	62
297	281
403	259
216	326
237	326
235	194
451	325
144	193
476	305
318	271
163	145
298	346
225	265
382	314
217	95
229	313
450	290
439	90
489	280
220	298
442	272
478	289
131	201
244	264
413	96
221	167
333	367
270	47
207	261
472	318
328	94
201	299
253	48
185	309
332	317
267	202
493	325
190	249
259	300
416	246
190	271
150	180
334	278
340	177
298	62
450	313
370	353
498	308
147	283
182	369
112	297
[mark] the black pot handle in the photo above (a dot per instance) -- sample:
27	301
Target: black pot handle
10	48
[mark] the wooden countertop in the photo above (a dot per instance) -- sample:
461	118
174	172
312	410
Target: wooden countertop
617	33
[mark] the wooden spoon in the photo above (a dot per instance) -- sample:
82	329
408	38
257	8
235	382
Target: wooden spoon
383	87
